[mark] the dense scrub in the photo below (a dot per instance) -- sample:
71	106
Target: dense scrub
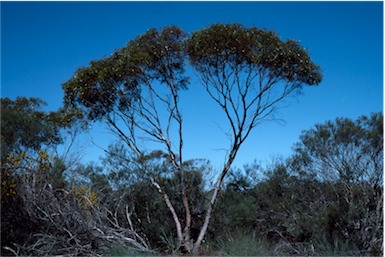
280	215
326	199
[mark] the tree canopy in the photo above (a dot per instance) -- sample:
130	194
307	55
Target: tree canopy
343	150
116	82
215	47
25	127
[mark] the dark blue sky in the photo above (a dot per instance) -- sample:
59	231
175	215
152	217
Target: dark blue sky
43	43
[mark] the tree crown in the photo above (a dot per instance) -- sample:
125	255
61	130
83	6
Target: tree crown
115	82
233	44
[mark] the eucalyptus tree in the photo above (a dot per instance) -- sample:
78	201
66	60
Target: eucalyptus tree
248	72
136	92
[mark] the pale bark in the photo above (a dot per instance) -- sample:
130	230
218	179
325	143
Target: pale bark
210	209
172	210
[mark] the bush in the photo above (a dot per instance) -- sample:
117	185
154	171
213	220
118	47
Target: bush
337	248
63	223
239	243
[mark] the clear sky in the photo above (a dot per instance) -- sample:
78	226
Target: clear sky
43	43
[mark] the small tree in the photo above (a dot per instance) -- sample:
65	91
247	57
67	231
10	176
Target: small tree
25	128
348	154
248	72
343	150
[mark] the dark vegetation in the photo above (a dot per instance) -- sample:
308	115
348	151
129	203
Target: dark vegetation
326	199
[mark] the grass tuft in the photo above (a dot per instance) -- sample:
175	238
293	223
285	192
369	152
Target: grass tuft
238	244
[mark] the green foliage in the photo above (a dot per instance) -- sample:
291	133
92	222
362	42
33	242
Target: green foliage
288	212
92	177
131	187
24	126
348	156
346	206
293	210
336	248
232	44
57	173
302	213
287	206
235	209
343	150
121	167
169	242
241	243
115	83
245	246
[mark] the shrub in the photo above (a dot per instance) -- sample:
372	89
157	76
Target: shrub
242	243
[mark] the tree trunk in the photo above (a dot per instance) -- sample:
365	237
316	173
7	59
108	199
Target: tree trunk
172	210
213	200
187	238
